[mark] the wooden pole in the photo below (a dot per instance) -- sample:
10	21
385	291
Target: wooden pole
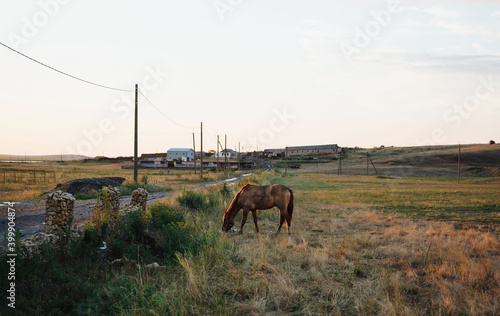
194	149
340	165
201	152
286	160
373	165
458	171
218	143
225	152
367	167
239	150
135	135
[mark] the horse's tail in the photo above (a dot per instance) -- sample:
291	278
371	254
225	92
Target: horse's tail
290	206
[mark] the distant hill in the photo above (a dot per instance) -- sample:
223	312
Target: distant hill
6	157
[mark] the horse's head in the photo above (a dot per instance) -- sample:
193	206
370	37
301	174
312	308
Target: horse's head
227	222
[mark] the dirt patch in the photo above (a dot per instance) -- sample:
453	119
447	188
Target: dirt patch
88	184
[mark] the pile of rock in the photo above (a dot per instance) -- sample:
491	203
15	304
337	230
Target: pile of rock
34	243
138	201
139	198
59	212
108	204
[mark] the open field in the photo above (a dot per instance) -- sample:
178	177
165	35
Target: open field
360	245
22	185
481	160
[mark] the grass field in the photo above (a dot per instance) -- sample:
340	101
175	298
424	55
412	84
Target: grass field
360	245
24	186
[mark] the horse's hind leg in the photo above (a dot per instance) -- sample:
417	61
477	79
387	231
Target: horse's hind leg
254	216
284	216
243	220
282	220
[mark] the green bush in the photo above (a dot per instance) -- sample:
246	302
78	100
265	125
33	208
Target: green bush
193	200
126	189
162	215
77	277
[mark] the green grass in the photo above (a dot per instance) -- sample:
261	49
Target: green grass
127	189
421	197
354	249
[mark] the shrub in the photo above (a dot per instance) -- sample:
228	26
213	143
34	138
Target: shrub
126	189
224	190
193	200
162	215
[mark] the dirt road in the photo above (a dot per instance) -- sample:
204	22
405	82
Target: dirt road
30	215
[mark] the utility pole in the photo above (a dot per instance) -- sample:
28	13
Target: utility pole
194	149
367	163
340	165
286	160
225	152
201	152
217	154
135	134
458	163
239	150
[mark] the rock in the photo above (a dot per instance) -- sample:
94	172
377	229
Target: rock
59	212
87	184
108	198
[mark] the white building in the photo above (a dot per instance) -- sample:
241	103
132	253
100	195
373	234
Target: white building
229	153
180	154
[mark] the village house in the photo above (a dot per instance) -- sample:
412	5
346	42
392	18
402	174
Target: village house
180	154
229	153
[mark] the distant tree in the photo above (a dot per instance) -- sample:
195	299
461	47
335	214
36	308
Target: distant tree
210	153
492	142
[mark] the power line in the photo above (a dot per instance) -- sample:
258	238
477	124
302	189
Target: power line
168	118
62	72
93	83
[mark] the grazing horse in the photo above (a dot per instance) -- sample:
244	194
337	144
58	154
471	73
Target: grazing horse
251	198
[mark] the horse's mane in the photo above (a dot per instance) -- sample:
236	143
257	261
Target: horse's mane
235	200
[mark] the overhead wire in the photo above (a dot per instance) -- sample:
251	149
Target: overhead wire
62	72
168	118
96	84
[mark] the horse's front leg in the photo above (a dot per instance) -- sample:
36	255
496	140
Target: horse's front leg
254	216
243	220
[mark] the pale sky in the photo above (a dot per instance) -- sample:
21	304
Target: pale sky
268	73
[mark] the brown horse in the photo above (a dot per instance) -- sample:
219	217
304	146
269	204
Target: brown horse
251	198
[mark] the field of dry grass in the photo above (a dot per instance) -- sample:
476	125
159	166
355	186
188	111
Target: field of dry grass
348	254
24	186
360	245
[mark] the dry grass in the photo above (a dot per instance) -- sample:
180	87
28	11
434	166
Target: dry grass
24	188
343	258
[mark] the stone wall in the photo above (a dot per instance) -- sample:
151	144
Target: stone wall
139	198
58	212
107	205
